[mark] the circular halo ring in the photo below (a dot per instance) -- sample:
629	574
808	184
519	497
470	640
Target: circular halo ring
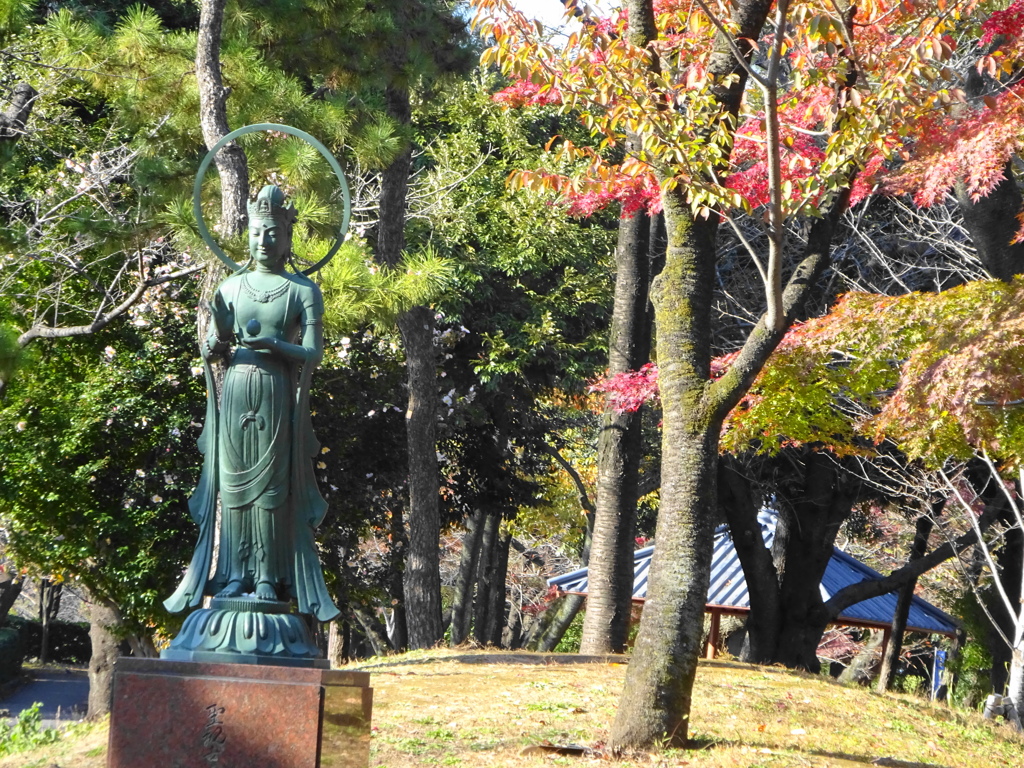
197	189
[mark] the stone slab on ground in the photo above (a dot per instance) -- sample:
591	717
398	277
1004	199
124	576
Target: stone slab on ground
194	715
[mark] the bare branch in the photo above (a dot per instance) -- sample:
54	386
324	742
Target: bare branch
101	322
864	590
585	501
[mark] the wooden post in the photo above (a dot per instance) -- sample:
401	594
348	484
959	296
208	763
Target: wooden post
711	649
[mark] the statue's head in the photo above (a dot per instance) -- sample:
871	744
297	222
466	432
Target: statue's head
270	226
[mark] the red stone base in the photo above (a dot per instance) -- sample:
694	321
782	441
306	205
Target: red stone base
175	714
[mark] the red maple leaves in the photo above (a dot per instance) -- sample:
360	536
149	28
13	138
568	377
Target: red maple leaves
972	148
524	93
939	374
627	392
1005	23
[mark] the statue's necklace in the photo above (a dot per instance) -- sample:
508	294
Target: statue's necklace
263	297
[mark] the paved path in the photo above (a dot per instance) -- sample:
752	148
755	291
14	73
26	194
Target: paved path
63	692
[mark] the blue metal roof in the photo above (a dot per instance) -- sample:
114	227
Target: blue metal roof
728	587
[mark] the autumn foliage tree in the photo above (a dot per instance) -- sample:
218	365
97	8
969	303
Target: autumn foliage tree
786	113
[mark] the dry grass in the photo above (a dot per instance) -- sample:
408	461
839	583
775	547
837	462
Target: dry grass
482	709
440	710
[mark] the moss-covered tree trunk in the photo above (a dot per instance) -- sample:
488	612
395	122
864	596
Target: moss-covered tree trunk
551	626
655	704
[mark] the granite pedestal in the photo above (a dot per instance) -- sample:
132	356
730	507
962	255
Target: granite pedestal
177	714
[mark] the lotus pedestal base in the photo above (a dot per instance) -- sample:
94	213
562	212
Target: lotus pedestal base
242	630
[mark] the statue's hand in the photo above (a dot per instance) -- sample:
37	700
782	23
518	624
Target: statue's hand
260	342
223	317
212	348
206	349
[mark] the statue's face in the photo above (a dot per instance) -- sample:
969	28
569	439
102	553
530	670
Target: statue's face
268	242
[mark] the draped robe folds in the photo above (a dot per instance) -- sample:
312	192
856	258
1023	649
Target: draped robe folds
258	447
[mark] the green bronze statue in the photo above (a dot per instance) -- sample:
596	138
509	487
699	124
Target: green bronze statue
258	446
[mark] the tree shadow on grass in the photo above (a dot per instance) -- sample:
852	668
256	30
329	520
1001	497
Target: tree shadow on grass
535	659
891	762
706	743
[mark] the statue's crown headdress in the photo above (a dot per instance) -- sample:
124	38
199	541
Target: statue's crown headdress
270	203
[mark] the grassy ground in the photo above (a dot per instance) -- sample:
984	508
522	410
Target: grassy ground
448	708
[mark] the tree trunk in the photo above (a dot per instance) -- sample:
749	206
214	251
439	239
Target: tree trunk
213	119
49	606
992	219
399	632
950	678
1010	557
550	627
512	636
496	590
422	581
104	620
142	645
337	643
865	590
804	539
1015	589
992	224
764	570
485	577
394	187
619	448
553	623
462	604
891	654
740	508
655	702
862	667
422	564
14	118
10	587
373	631
1015	685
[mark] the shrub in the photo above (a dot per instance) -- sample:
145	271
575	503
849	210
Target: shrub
11	653
69	642
570	642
